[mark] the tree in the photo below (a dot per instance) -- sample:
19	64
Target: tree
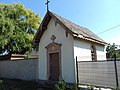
17	28
111	50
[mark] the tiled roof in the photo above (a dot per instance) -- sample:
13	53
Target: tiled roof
86	33
74	29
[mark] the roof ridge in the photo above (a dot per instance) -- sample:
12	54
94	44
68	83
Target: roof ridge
77	28
71	27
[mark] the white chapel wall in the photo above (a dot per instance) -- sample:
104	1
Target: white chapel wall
67	52
82	49
101	52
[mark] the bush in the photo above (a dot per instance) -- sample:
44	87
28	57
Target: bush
3	86
90	87
62	85
71	87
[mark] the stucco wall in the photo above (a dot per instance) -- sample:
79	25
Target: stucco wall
20	69
67	56
101	52
82	49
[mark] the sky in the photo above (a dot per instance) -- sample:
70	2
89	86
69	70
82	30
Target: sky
96	15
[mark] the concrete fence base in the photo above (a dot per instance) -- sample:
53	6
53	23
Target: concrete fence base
20	69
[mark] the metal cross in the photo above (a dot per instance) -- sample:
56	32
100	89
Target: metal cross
47	5
53	38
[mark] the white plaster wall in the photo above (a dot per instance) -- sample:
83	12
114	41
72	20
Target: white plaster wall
67	52
83	52
101	52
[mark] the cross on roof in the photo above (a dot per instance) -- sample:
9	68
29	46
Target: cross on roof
47	5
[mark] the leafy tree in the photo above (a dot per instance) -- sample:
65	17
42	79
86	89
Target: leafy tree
17	27
111	50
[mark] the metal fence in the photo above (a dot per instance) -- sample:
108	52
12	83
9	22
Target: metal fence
99	73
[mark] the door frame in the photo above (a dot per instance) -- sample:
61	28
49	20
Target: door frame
51	49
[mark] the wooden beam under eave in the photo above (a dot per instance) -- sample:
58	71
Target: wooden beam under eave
91	41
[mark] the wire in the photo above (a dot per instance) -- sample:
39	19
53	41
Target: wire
109	29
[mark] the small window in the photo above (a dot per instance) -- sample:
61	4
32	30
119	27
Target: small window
66	34
93	53
56	23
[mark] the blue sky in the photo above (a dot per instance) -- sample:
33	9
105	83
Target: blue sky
96	15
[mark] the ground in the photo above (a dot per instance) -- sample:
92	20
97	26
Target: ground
16	84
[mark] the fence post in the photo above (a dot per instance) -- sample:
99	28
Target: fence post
116	74
77	72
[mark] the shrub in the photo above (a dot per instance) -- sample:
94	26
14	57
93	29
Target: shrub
62	85
3	86
90	87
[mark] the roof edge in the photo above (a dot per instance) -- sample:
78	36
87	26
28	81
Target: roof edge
90	39
43	27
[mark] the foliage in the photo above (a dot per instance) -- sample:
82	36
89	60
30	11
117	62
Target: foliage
90	87
17	27
116	89
72	87
62	85
111	50
3	86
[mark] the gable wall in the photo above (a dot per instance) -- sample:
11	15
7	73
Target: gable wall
67	56
82	49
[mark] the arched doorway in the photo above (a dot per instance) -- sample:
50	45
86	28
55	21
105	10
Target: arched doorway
53	61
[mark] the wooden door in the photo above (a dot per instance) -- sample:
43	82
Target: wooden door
54	67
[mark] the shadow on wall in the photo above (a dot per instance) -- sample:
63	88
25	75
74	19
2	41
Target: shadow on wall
86	45
82	44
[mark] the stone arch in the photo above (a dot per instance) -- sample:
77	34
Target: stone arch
53	61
